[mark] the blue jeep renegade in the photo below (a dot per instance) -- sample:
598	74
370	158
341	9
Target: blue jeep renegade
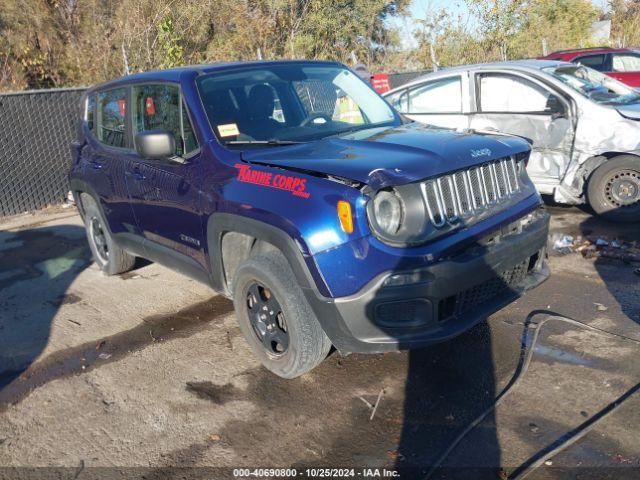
296	190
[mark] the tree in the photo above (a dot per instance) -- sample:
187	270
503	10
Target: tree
625	22
560	23
50	43
498	21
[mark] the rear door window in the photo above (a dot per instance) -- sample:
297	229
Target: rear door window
597	62
158	106
439	96
110	121
625	62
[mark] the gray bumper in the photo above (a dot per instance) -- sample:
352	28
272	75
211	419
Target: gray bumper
455	295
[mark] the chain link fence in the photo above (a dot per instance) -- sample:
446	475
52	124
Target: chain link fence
36	128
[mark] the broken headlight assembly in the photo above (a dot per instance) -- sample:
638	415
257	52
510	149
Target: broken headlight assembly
388	210
397	216
413	214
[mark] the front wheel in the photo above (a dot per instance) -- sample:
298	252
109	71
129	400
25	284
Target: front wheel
614	189
275	317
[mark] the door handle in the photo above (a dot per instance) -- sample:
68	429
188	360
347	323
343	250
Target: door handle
137	176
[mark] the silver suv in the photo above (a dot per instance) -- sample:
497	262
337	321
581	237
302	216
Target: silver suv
584	126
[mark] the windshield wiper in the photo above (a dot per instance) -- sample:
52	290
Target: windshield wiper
359	128
273	141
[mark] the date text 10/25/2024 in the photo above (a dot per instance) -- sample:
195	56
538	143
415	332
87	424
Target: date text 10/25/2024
315	473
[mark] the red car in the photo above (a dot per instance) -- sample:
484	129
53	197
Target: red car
620	63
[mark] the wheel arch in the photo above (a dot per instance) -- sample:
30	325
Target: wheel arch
581	180
231	239
78	187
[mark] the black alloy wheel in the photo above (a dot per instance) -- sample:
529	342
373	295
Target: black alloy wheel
267	320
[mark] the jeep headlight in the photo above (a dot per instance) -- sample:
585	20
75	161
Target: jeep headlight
398	216
388	212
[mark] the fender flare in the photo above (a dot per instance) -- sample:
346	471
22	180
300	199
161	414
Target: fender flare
591	164
76	185
303	267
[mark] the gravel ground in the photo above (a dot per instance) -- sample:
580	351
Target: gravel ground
139	373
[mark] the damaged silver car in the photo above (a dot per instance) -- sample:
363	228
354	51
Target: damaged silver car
584	126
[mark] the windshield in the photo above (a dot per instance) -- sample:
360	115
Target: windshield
289	103
594	85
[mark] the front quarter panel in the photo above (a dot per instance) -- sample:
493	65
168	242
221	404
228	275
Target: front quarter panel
600	131
259	195
304	206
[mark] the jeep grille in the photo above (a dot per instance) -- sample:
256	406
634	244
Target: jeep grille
466	193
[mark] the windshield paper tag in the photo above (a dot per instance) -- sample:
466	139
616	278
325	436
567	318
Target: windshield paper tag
228	130
295	185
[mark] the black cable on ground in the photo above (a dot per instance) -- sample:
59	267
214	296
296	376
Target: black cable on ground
527	348
570	437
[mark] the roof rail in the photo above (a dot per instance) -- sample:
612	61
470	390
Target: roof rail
580	49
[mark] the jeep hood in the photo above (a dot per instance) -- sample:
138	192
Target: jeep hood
389	156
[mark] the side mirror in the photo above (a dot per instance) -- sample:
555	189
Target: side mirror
155	144
555	107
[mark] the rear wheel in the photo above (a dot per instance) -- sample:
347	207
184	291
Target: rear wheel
106	253
275	317
614	189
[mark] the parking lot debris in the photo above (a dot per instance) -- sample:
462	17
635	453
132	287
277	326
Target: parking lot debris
365	402
621	459
395	455
70	201
375	407
594	247
562	243
600	307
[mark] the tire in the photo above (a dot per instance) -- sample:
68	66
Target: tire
111	259
268	281
613	190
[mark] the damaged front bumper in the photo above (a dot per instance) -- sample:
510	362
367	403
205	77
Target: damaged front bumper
446	299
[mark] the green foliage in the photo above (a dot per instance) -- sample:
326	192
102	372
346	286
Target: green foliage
48	43
505	29
625	22
561	23
169	42
71	42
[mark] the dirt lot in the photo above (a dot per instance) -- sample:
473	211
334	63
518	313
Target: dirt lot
148	369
